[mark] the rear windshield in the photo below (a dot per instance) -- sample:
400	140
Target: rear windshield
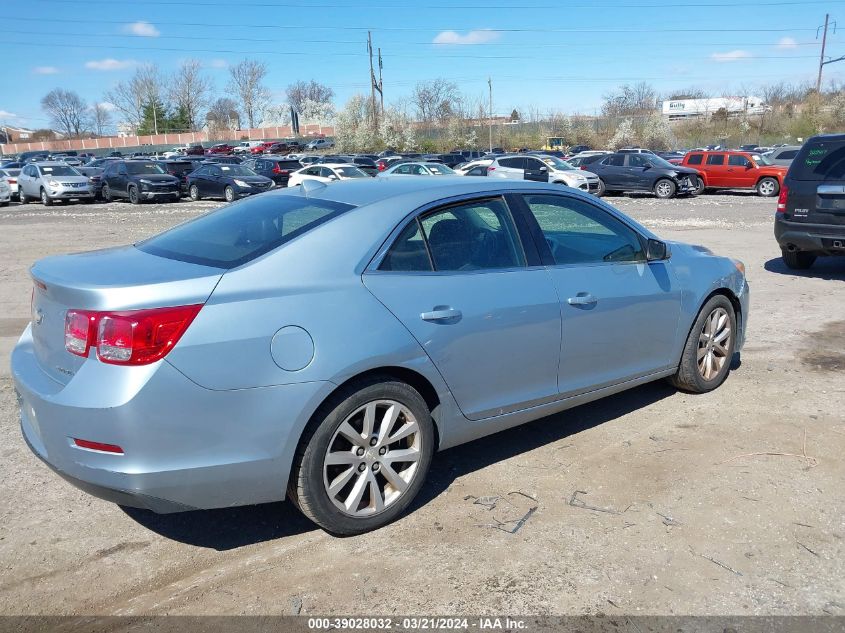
819	160
240	232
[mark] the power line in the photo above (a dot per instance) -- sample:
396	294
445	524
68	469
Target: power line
321	27
314	54
474	7
358	42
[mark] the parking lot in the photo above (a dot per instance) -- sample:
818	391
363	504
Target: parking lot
650	502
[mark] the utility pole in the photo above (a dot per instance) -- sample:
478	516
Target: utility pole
490	84
380	81
375	86
821	57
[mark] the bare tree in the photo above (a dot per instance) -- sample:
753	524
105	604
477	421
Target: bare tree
637	99
303	91
132	97
100	118
247	82
190	92
223	115
67	110
436	100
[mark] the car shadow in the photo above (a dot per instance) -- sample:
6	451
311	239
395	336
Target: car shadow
231	528
831	268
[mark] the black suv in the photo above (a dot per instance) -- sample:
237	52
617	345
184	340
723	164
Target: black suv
138	180
643	172
180	169
810	217
274	167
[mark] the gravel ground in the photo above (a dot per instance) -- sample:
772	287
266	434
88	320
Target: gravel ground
683	521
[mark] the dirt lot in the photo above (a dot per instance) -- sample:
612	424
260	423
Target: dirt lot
683	521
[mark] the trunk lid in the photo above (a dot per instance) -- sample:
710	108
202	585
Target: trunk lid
115	279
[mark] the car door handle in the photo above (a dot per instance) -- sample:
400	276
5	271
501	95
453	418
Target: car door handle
582	299
441	313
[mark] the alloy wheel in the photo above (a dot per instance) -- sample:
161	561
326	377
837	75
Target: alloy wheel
664	189
372	458
714	344
767	187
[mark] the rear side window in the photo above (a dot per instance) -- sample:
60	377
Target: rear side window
617	160
819	160
238	233
789	154
738	161
716	159
512	163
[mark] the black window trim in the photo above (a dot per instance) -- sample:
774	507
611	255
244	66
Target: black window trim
543	246
523	233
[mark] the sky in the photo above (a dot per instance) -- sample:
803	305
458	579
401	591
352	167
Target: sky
541	54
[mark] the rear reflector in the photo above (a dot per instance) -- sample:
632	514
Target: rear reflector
782	199
137	337
98	446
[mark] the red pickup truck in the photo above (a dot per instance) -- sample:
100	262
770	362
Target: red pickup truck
262	149
736	170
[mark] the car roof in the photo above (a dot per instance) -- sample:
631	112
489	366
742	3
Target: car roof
50	163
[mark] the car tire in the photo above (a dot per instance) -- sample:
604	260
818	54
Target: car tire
21	197
768	187
45	199
229	194
664	189
319	488
5	204
194	193
106	193
602	188
797	260
134	195
706	361
699	186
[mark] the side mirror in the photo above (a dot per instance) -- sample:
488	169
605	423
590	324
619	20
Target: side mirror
657	251
544	169
332	177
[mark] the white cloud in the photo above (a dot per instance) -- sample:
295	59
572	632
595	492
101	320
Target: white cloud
787	43
5	114
730	56
142	29
110	64
45	70
107	106
472	37
218	63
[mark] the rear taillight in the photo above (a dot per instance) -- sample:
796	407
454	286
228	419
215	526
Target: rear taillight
584	167
277	169
381	166
12	181
137	337
782	199
98	446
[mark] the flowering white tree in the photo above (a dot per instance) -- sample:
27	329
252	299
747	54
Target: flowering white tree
656	133
321	113
624	135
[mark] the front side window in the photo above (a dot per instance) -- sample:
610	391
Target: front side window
477	235
578	232
636	160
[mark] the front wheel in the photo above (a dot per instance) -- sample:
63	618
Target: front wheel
46	200
768	187
364	457
22	197
602	189
664	188
797	260
229	194
134	195
706	359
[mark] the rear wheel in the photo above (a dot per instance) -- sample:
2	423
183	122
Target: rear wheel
797	260
768	187
706	359
134	195
46	200
106	193
194	192
664	188
229	194
364	457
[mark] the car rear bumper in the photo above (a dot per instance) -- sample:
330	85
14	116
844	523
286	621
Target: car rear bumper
184	446
823	239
